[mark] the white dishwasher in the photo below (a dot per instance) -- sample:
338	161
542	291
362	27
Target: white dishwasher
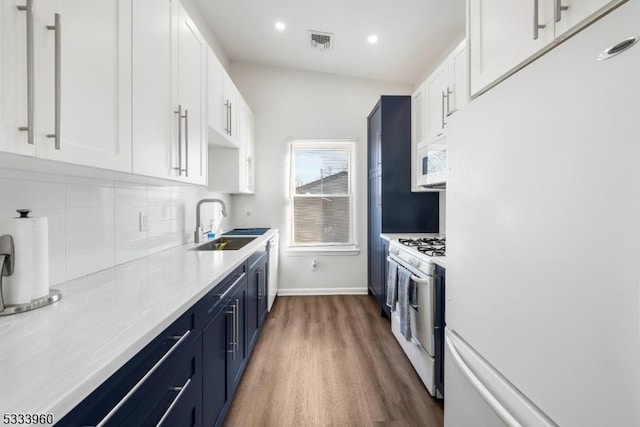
273	270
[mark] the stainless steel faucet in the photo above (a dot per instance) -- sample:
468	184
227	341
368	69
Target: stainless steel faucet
198	225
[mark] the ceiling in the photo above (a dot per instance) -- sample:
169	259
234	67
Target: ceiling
412	34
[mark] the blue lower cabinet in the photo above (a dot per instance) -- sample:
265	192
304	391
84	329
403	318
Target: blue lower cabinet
217	343
224	355
256	296
187	375
116	399
177	398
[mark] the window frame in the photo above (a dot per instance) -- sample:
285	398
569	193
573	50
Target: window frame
349	145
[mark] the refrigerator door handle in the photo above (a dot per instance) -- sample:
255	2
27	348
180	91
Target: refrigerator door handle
494	389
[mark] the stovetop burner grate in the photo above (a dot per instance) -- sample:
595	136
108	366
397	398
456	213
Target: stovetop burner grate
431	246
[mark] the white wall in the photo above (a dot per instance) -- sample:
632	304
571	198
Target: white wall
299	104
93	224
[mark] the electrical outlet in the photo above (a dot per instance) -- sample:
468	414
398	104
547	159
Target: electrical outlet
314	265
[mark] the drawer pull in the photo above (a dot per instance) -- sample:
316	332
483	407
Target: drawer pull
180	391
240	277
135	388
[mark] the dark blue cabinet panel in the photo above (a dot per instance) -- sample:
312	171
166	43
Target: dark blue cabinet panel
186	376
217	342
392	207
256	296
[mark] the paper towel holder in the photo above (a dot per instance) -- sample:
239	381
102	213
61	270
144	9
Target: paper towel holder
7	257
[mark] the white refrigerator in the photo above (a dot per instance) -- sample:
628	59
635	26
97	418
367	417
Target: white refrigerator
543	241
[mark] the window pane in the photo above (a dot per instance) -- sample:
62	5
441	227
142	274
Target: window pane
321	171
321	219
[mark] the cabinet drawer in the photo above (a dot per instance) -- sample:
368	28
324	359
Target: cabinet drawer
176	398
218	297
112	402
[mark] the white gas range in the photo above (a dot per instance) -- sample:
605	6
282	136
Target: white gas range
419	254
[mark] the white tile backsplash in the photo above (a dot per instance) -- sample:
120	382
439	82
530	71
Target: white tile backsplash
95	224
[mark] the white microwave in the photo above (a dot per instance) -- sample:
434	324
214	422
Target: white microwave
432	166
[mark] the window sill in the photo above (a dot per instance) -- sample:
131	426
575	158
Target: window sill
322	251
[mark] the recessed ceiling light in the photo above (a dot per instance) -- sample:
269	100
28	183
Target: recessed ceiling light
280	26
372	39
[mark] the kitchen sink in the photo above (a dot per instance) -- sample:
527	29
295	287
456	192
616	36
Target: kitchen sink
246	232
225	244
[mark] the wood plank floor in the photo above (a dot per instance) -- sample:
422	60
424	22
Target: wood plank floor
330	361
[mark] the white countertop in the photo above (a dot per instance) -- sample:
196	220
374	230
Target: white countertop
53	357
439	260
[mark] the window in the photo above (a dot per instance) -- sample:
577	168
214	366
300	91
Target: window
322	202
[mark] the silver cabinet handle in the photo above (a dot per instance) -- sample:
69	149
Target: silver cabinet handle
232	312
178	339
180	391
559	9
443	99
536	20
179	113
449	93
57	27
260	291
226	117
230	119
186	143
30	127
237	336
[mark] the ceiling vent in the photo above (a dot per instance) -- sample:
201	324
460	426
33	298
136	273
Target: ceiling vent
320	40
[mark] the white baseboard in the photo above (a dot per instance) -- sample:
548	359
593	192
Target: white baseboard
321	291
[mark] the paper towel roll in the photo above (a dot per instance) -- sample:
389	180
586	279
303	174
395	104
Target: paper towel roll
30	278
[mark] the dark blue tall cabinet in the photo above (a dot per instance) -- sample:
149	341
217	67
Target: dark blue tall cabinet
392	207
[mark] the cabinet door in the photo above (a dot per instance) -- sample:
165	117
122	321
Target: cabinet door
216	344
13	78
502	35
215	105
578	11
458	88
154	121
418	115
374	136
95	82
192	99
252	305
437	87
418	128
375	228
229	112
250	150
262	292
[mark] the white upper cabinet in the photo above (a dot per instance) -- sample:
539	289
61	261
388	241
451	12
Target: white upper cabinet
169	81
83	82
458	89
437	93
216	111
504	35
154	120
418	114
447	91
231	168
571	13
191	105
13	80
231	112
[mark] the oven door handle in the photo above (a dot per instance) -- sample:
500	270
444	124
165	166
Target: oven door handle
421	281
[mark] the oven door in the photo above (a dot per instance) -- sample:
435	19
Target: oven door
423	313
